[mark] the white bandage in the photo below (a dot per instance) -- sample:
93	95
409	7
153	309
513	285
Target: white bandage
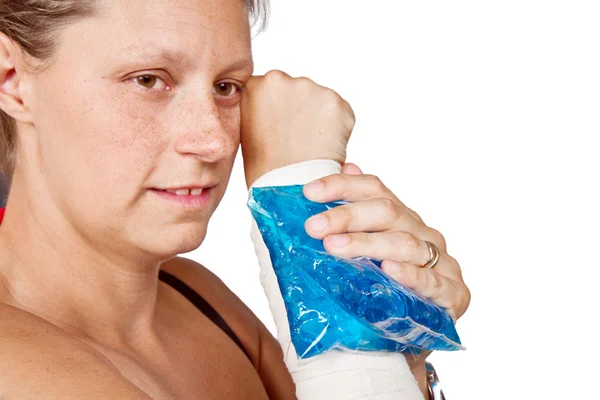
336	374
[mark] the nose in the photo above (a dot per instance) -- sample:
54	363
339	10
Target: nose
206	132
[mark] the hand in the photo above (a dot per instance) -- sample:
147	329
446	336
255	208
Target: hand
287	120
378	225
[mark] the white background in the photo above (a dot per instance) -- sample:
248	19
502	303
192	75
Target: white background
483	117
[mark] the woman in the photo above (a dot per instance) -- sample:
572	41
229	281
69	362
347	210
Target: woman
120	127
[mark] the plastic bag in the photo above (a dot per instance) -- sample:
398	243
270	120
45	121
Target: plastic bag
335	302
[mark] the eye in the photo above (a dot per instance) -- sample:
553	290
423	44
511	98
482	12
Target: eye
151	82
226	89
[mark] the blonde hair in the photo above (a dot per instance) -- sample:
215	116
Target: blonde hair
33	25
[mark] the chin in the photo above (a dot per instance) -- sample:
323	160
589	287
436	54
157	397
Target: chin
173	242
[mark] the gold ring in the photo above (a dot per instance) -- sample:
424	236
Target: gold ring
434	255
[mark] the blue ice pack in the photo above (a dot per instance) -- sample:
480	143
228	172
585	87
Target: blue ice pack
335	302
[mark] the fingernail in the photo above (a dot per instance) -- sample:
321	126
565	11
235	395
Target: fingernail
314	186
318	223
339	240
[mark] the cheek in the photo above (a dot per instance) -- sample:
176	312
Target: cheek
135	137
100	140
96	141
230	120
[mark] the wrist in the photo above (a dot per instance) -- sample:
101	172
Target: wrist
256	163
290	173
419	372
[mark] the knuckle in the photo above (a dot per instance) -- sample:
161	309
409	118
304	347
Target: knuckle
334	97
350	125
363	237
461	301
332	182
466	298
305	81
373	180
350	110
435	282
351	118
407	240
338	179
418	278
416	216
333	101
467	301
455	266
276	75
343	185
390	208
345	215
436	237
368	238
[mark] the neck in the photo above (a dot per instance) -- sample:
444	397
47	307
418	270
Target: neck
51	269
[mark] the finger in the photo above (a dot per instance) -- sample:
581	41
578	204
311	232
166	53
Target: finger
398	246
347	187
351	188
351	169
447	293
254	81
351	119
364	216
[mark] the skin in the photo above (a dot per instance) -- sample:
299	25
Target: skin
84	209
377	224
85	234
84	237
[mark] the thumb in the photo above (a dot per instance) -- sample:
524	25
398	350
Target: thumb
351	169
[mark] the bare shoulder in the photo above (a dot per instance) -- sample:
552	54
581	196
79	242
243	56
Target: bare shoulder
262	348
39	360
216	293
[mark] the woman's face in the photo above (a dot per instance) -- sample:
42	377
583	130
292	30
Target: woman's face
144	97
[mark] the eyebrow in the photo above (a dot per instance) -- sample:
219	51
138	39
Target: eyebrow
174	56
243	64
180	57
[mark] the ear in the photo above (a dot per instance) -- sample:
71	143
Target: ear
11	80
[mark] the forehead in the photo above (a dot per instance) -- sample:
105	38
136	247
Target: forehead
196	27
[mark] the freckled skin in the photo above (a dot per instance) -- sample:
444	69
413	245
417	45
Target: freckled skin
83	237
106	140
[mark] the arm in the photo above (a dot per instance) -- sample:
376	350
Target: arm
420	374
272	369
262	348
335	374
291	120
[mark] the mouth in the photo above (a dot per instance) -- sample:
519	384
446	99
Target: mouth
184	191
188	197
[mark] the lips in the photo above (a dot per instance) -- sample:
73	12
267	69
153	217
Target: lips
185	191
191	198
